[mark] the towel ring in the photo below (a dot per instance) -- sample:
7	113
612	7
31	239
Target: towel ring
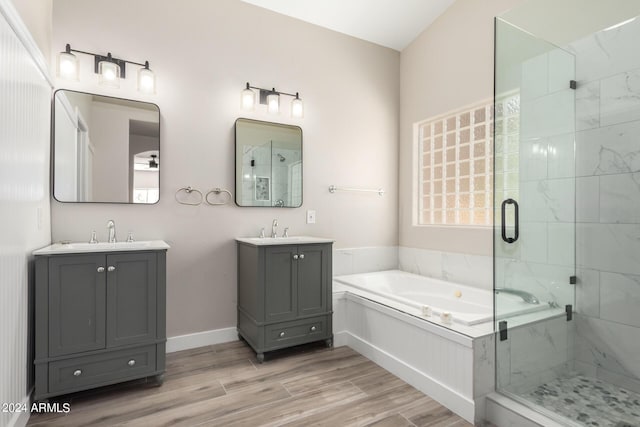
218	191
189	190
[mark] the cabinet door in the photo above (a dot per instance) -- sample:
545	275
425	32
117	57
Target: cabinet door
131	298
313	278
77	303
280	278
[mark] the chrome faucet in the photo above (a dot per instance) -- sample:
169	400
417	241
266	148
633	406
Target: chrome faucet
286	232
274	231
526	296
111	226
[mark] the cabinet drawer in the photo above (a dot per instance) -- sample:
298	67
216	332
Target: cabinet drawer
80	372
296	332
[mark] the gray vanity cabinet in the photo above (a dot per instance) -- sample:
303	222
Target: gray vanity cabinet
99	319
284	295
77	304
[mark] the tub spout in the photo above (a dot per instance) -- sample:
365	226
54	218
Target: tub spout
526	296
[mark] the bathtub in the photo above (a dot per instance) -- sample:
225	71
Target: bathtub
467	305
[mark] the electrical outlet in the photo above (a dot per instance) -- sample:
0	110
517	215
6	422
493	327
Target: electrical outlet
311	217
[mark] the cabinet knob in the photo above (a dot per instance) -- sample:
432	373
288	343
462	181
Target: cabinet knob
281	334
77	372
131	362
100	269
111	268
301	256
313	329
295	256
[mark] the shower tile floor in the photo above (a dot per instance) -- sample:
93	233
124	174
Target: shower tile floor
589	401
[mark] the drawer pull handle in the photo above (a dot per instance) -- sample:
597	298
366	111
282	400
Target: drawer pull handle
77	372
313	329
301	256
131	362
100	269
111	268
281	334
295	256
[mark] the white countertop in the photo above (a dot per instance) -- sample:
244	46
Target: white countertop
293	240
83	247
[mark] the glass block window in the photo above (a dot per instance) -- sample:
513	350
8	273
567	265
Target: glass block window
507	147
455	164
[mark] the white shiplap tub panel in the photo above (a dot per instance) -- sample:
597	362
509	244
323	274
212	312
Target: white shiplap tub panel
439	366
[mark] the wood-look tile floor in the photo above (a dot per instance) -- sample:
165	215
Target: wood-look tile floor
223	385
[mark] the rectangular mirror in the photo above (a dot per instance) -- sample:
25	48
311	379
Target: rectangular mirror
268	164
105	149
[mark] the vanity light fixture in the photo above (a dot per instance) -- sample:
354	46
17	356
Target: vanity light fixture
109	69
153	164
270	98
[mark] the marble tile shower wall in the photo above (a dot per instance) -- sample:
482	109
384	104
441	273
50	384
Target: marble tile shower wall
466	269
608	205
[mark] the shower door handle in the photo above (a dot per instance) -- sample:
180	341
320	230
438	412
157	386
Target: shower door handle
504	221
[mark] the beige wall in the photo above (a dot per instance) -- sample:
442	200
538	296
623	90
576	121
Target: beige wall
203	53
449	66
36	15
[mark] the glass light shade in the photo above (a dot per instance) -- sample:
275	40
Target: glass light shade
68	66
146	81
273	103
297	108
109	74
248	99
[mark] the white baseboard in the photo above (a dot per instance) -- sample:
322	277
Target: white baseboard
200	339
434	389
20	419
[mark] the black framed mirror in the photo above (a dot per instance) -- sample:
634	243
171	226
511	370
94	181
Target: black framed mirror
268	164
105	149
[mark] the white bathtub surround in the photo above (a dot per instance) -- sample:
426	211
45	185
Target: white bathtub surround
445	303
466	269
364	259
439	362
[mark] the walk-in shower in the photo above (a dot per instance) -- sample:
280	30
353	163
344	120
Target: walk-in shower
567	209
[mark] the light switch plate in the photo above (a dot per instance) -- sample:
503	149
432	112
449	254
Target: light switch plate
311	217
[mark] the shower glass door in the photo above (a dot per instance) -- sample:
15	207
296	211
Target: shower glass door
534	200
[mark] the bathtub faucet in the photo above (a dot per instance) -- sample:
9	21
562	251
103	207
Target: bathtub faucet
526	296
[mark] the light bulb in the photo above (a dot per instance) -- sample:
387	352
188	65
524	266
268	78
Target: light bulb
109	74
67	65
146	80
273	103
247	99
297	108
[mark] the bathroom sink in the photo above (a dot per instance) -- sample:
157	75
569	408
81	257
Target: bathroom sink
79	247
293	240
